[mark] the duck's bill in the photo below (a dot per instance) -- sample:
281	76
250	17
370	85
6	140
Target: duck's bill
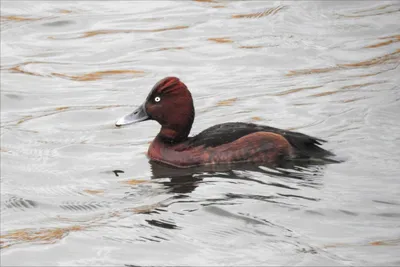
137	115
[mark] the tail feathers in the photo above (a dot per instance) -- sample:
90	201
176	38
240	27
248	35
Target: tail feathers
308	147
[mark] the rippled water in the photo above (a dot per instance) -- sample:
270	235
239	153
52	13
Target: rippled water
70	69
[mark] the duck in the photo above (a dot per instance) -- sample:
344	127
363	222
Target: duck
170	103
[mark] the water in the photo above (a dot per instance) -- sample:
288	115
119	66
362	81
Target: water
70	69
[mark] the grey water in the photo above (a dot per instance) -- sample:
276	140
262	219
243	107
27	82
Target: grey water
77	191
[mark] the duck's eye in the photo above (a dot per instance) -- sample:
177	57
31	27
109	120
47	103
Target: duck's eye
157	99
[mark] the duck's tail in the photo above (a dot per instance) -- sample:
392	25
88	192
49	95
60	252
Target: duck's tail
309	147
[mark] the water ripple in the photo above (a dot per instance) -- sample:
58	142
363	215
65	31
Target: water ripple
70	177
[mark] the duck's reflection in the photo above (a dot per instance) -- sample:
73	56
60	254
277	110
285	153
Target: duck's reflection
186	180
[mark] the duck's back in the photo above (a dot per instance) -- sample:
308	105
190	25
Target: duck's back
303	145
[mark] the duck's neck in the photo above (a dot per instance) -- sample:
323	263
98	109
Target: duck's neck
172	136
178	132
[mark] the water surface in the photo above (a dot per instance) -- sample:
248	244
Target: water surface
70	69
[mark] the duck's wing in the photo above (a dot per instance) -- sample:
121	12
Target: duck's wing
220	134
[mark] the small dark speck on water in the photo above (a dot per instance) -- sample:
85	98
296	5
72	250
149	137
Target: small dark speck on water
116	172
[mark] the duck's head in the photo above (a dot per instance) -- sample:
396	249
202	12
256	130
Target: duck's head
170	104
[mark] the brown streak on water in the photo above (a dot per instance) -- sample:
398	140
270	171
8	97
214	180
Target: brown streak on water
94	191
145	209
325	93
267	12
388	58
44	236
227	102
359	85
347	87
302	104
19	18
18	69
256	118
250	46
353	99
380	243
374	61
170	48
220	40
102	32
134	182
394	39
62	108
96	75
65	11
24	119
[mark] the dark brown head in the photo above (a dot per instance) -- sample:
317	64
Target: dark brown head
170	104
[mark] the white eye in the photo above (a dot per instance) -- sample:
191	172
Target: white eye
157	99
